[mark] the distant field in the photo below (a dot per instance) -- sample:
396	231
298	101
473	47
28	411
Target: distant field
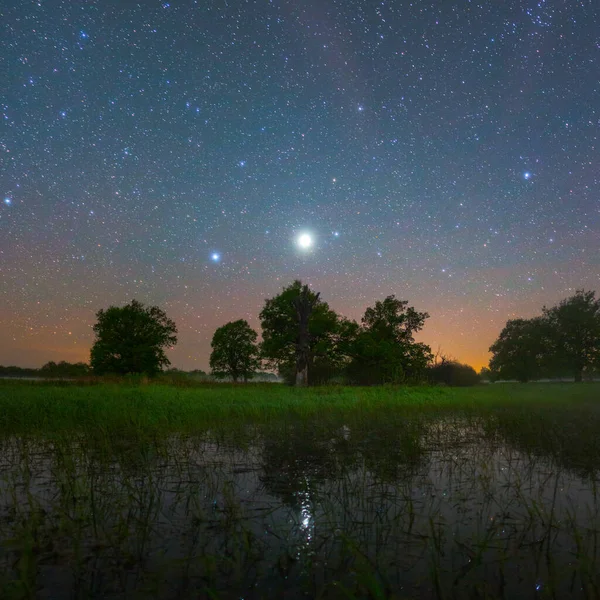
30	406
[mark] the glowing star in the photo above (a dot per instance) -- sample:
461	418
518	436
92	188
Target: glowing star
527	175
215	257
305	241
7	201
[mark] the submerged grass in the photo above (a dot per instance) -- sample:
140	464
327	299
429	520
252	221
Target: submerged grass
223	491
52	407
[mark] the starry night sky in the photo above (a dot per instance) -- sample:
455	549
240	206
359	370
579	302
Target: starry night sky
173	151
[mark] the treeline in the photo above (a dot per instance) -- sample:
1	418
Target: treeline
304	341
51	369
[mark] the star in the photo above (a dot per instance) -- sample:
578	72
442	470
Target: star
305	241
527	175
215	257
8	201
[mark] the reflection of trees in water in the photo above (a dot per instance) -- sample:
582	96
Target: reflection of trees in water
297	457
339	475
386	497
569	438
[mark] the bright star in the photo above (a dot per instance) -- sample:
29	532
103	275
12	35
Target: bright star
215	257
8	201
305	241
527	175
336	234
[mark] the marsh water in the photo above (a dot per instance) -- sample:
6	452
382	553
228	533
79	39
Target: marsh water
388	506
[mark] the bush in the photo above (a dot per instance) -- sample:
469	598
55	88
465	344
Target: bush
453	373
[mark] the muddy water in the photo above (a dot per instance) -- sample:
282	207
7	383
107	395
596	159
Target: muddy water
427	507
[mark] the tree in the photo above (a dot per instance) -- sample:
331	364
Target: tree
304	303
384	350
234	351
575	327
288	347
565	340
132	339
393	319
522	350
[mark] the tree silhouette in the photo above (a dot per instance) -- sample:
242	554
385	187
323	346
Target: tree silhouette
384	350
575	327
304	303
522	350
132	339
234	351
292	346
564	340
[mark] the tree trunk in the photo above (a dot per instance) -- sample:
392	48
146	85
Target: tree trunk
301	376
304	306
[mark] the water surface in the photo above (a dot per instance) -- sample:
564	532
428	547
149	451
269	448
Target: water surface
438	505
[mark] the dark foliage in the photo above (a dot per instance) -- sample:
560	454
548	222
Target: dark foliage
65	369
453	373
12	371
521	350
328	336
132	339
564	341
234	351
384	349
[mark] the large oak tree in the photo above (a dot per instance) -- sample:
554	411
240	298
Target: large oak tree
132	339
294	340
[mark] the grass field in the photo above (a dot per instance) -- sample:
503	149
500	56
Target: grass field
260	491
51	406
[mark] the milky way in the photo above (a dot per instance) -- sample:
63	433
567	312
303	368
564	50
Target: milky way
173	152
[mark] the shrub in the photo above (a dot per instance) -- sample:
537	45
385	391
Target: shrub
453	373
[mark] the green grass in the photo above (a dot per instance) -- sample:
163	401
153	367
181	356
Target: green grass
47	407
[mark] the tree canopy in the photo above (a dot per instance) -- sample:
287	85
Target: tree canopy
132	339
574	324
564	340
381	349
520	352
234	351
384	349
280	332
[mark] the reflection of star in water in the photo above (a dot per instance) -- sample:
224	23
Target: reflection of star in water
306	518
